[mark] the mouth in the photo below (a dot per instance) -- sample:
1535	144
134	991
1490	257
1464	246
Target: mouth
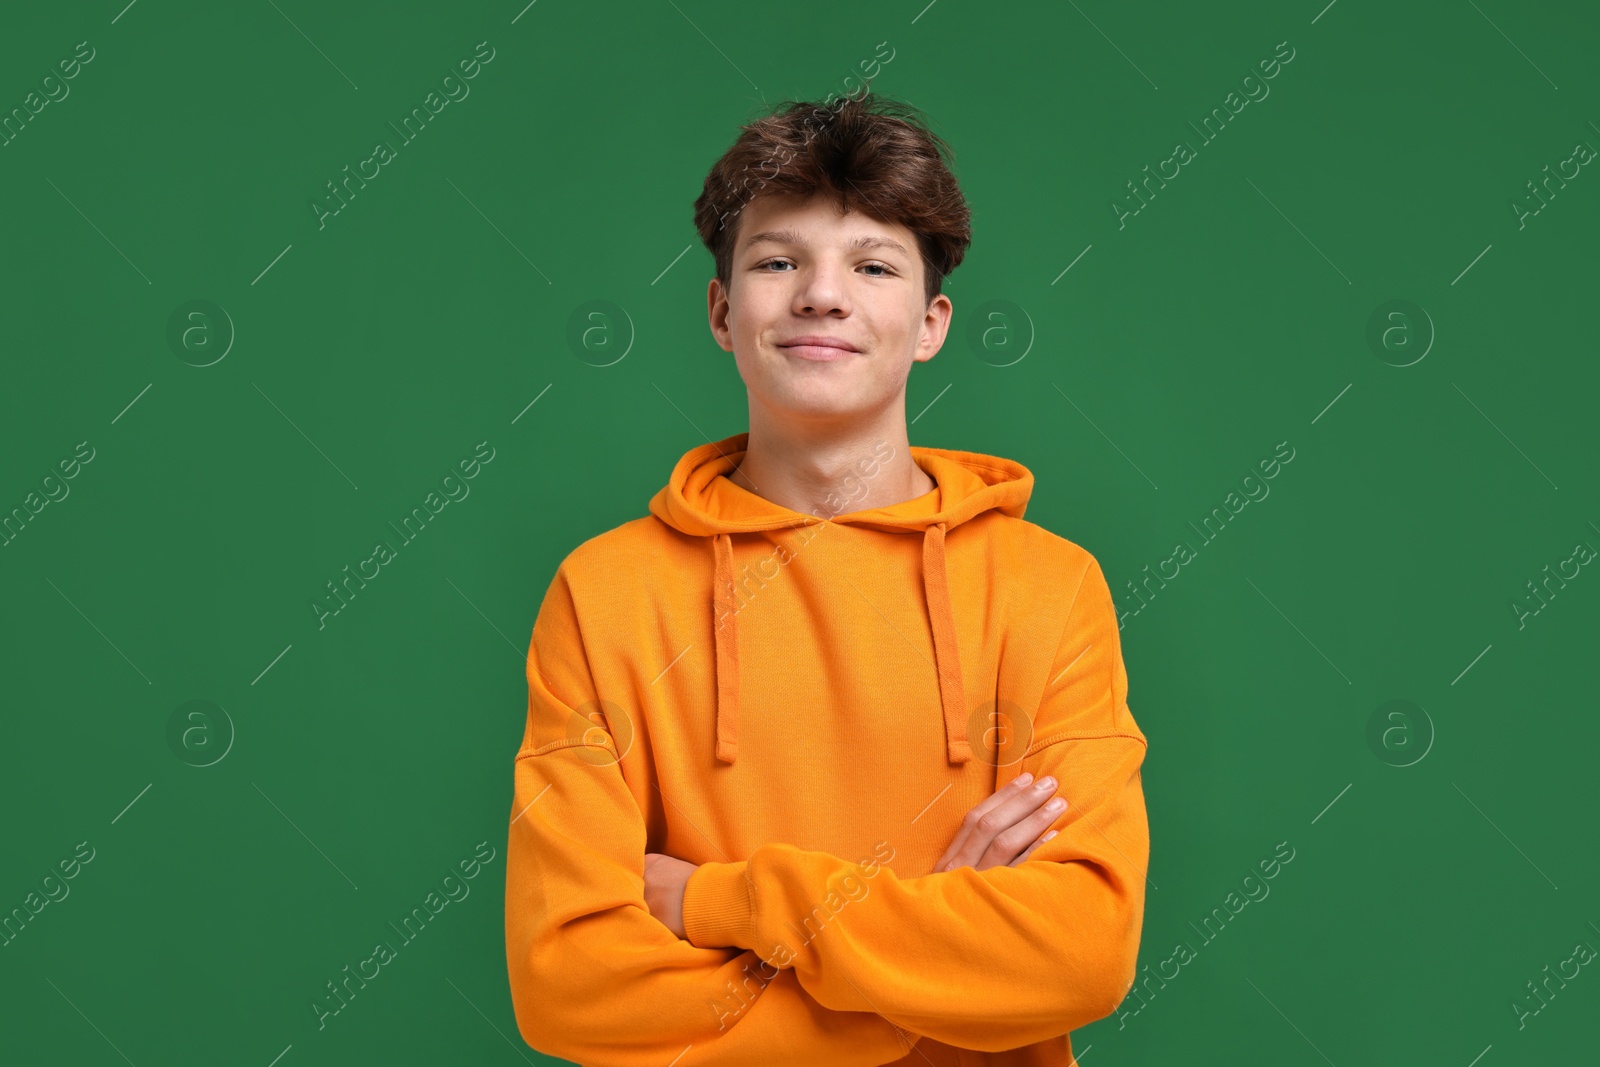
819	349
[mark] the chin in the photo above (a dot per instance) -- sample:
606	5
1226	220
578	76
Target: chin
823	404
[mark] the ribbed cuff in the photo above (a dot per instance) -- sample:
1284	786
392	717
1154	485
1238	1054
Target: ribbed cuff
717	907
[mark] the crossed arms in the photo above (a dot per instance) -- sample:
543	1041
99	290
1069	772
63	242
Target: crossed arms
979	959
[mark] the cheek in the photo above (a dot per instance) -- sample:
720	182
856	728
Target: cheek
890	378
748	371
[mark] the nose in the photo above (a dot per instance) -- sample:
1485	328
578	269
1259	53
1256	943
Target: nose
822	289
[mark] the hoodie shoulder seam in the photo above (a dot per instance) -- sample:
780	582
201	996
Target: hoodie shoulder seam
1068	735
566	742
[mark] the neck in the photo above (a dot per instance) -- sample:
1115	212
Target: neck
834	470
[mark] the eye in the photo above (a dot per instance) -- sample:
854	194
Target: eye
762	267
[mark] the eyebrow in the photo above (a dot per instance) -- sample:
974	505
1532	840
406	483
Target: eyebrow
792	237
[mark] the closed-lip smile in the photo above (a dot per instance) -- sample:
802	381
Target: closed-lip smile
818	346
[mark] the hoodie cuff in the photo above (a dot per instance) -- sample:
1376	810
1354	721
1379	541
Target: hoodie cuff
717	906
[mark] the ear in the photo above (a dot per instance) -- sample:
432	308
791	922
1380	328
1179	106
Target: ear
935	327
717	309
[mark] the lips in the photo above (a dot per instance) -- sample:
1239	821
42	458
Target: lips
819	348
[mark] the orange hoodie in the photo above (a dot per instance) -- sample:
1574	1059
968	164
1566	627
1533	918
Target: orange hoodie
807	708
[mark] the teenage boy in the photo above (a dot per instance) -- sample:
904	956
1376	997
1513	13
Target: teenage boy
828	758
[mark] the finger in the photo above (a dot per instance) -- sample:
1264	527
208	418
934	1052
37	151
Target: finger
1032	848
984	826
1008	843
1029	851
1018	785
995	837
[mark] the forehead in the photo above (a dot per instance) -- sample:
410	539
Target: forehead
818	221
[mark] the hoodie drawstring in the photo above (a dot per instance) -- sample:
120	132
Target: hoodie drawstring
946	651
724	621
941	620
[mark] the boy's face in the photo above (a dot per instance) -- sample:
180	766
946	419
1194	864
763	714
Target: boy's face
798	271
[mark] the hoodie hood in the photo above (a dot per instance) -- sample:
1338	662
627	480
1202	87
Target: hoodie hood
700	501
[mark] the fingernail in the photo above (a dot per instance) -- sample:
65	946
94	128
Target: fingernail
1055	805
1024	778
1049	835
1046	782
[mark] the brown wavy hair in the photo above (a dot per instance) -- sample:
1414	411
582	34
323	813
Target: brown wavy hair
875	154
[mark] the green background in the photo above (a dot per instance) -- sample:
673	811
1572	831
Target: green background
364	759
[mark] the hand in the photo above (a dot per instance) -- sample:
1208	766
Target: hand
664	880
994	833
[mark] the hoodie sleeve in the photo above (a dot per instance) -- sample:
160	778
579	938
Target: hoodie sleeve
993	959
594	977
